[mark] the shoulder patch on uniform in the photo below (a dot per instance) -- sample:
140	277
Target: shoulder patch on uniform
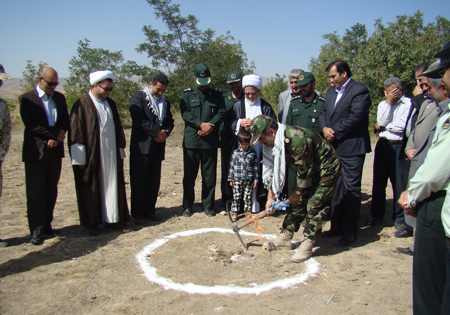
321	98
218	90
296	97
188	89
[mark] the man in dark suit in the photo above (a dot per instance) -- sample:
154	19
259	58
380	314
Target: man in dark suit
152	124
44	114
344	121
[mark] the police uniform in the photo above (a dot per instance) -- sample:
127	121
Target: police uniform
197	107
317	168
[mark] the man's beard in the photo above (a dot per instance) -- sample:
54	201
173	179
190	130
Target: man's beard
154	96
250	102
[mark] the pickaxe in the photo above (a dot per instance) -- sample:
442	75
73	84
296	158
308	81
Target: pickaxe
236	226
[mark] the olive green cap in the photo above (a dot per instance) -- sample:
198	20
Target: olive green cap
305	78
202	75
234	76
257	126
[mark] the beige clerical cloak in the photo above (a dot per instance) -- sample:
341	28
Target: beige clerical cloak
85	130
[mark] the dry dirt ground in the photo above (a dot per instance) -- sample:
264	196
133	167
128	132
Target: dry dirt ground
79	274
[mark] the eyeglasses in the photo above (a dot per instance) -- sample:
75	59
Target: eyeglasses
106	89
52	84
252	94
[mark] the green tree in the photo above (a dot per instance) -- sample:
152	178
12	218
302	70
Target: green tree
337	48
395	50
184	45
128	76
30	75
272	89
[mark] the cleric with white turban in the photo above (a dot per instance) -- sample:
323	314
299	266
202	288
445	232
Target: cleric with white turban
252	80
99	76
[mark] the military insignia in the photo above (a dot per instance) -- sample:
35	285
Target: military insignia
313	120
233	76
321	98
188	89
287	140
446	124
194	101
229	97
209	81
197	81
315	110
295	110
301	77
202	74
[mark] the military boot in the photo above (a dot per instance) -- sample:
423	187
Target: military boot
283	240
304	251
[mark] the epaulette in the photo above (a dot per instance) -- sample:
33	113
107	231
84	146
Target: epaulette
321	98
188	89
296	97
218	90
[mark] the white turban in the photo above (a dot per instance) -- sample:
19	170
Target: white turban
252	80
98	76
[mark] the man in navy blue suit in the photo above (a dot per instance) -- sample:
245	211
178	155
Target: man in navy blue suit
344	121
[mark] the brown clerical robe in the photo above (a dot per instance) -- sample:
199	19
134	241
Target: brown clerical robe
84	129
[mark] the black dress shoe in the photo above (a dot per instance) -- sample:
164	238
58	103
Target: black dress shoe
374	221
209	212
222	203
346	240
53	232
36	240
403	233
153	217
405	250
187	212
139	220
332	233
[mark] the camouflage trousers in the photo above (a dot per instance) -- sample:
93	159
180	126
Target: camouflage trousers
242	191
314	206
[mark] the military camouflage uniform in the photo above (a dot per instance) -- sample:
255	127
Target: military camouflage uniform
317	166
5	135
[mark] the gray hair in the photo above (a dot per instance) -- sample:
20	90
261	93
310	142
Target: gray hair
392	80
295	73
435	82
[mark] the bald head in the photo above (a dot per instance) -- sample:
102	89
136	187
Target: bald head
48	80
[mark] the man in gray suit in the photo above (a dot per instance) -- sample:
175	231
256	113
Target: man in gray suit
344	121
284	100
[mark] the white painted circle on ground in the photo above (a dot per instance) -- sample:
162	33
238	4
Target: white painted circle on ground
312	267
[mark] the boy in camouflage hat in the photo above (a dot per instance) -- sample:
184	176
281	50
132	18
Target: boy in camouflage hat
317	167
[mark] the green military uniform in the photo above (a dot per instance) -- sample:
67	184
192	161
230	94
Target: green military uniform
303	115
317	168
197	107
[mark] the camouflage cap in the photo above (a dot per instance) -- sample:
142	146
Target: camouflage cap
3	75
433	70
305	78
258	125
234	76
202	75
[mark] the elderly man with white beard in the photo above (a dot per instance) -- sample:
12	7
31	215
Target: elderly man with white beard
241	116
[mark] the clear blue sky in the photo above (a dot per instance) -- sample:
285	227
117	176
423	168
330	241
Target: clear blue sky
277	35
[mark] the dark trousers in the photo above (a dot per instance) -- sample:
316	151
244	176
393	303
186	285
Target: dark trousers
192	159
347	195
41	183
225	153
446	298
145	180
387	165
429	265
